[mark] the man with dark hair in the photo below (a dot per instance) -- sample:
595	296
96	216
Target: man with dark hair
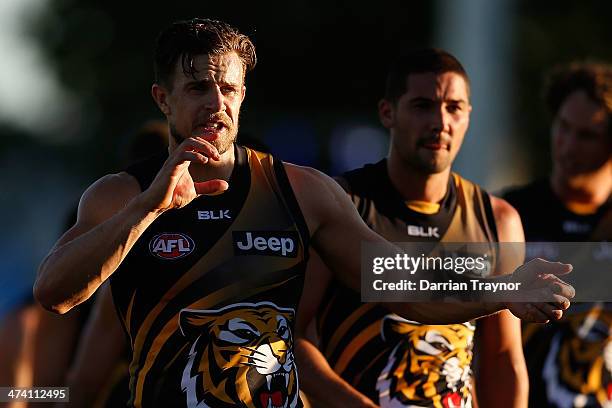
570	363
372	357
206	247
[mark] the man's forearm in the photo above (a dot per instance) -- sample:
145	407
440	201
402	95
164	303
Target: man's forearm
72	272
444	312
321	383
501	372
503	384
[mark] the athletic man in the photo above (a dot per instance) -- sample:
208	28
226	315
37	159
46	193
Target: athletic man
206	247
374	356
570	363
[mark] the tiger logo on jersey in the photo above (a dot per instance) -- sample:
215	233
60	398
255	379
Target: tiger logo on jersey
578	366
240	355
427	363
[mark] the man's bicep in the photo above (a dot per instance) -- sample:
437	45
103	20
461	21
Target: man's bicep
99	202
339	242
336	227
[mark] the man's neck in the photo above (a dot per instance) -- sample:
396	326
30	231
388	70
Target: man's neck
413	184
588	192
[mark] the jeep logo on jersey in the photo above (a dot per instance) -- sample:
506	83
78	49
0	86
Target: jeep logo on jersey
271	243
214	215
171	245
420	231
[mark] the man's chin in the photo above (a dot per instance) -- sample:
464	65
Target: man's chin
434	166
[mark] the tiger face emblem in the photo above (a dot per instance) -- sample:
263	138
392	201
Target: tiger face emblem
428	365
240	356
578	366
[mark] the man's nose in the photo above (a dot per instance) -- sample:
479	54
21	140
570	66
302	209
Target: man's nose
440	120
215	100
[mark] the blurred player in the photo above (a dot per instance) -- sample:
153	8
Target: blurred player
376	358
570	363
39	347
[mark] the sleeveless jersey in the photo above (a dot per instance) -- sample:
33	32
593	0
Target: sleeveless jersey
208	294
396	362
569	362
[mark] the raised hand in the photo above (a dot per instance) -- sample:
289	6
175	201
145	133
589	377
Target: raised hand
173	187
544	296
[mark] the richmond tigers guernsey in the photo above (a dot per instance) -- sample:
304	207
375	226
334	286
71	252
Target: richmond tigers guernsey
393	361
208	294
569	362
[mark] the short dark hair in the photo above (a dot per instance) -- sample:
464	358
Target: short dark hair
595	79
198	36
420	61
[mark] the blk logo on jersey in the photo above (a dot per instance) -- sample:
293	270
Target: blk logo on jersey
214	215
171	245
271	243
420	231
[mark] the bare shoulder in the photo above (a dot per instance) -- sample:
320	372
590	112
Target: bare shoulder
507	219
302	177
107	196
313	185
320	197
504	212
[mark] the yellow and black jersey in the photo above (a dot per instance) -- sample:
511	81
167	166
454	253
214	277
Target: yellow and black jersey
569	362
208	294
396	362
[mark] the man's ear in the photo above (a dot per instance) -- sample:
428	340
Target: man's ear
386	113
160	95
243	93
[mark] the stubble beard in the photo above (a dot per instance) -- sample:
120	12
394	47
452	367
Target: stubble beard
430	166
226	138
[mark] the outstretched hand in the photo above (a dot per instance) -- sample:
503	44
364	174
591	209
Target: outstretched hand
544	296
173	187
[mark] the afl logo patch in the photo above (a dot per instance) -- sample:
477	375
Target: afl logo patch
171	245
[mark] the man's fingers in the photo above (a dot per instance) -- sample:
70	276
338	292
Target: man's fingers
560	302
201	145
535	315
192	157
561	288
542	266
211	187
552	312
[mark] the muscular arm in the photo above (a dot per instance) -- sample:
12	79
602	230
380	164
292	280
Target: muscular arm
318	379
113	214
110	219
501	374
338	231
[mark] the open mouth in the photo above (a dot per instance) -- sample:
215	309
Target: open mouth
209	130
274	393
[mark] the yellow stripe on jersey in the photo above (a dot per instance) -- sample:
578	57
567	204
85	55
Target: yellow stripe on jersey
355	345
345	326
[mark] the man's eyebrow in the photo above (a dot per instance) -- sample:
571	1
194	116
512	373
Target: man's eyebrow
201	81
456	101
421	99
206	81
